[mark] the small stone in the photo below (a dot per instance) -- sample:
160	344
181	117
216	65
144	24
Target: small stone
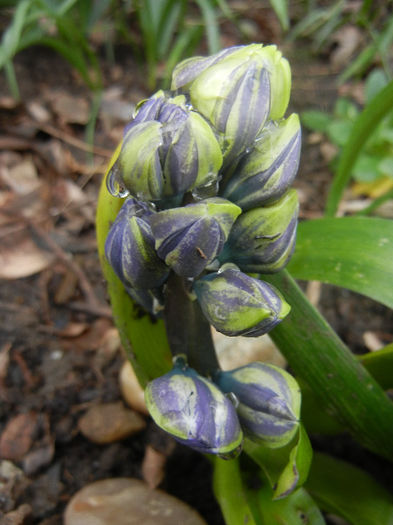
131	390
105	423
233	352
127	501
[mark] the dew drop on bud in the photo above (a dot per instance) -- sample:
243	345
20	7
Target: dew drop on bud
206	191
113	184
233	399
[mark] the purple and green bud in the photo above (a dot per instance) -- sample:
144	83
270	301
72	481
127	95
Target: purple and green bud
129	248
194	411
237	304
269	402
268	170
167	150
191	237
262	239
237	90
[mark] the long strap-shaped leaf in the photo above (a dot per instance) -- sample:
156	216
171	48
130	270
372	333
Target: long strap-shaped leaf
363	127
348	491
338	379
352	252
143	339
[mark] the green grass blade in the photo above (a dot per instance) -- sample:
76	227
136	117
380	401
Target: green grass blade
280	7
143	338
211	24
352	252
341	384
363	128
11	37
169	21
343	489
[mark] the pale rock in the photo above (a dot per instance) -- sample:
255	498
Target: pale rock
126	501
131	390
109	422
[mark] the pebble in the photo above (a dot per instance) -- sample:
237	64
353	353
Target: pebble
127	501
109	422
233	352
131	390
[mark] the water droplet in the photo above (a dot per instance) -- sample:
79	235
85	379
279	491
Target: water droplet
114	184
233	399
206	191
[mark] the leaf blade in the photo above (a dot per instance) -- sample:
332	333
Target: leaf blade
352	252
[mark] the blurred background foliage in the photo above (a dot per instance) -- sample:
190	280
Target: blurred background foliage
160	33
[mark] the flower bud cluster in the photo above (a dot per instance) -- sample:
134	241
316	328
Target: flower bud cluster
258	401
206	170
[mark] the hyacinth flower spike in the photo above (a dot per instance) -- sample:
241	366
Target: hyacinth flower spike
269	401
194	411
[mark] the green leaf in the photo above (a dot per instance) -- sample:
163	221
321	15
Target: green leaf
12	35
375	82
339	131
143	338
230	493
352	252
296	509
211	25
280	7
366	168
315	120
363	128
380	365
343	387
287	467
348	491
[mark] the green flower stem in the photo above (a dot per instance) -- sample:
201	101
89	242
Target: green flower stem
188	330
230	492
343	386
143	338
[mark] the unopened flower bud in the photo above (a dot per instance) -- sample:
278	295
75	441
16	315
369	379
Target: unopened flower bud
269	402
130	251
262	239
237	304
194	411
167	149
191	237
268	170
237	91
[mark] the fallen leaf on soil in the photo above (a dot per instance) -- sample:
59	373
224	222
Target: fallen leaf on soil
70	109
131	390
22	177
110	422
18	435
126	501
13	483
17	517
23	259
347	40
